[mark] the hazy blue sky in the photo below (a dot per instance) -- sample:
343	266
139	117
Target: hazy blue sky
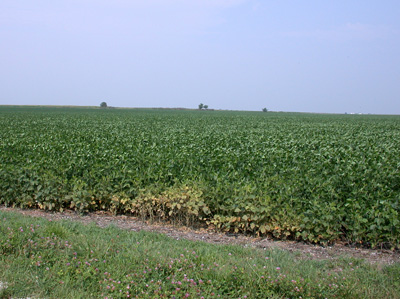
317	56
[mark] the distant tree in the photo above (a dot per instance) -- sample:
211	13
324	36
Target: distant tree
205	106
103	105
201	106
265	110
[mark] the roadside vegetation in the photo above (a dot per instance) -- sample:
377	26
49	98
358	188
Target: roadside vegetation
48	259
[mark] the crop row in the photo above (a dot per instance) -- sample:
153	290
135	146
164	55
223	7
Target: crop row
319	178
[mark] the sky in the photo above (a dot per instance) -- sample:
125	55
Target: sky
306	56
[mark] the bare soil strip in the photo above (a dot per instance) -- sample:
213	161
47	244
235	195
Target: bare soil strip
305	251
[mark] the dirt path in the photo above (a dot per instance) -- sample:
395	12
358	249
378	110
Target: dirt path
305	251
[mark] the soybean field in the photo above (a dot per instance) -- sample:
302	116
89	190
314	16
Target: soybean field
313	177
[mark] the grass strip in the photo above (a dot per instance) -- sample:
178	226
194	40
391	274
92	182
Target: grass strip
63	259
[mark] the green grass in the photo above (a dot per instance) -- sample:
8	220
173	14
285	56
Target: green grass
48	259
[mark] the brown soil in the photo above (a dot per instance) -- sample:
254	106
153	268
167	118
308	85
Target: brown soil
305	251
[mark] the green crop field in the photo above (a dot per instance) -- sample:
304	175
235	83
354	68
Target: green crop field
319	178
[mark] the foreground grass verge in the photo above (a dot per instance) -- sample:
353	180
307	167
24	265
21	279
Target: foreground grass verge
46	259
